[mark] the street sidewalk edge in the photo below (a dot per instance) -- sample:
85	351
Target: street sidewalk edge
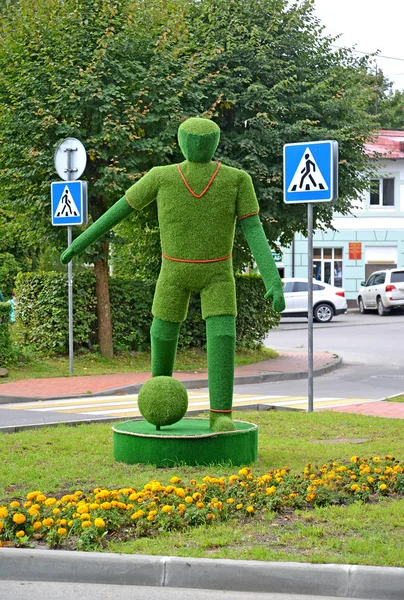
334	364
344	581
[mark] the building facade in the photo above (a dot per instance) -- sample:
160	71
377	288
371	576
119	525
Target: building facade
370	238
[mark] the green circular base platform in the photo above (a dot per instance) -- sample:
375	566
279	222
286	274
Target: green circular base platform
189	442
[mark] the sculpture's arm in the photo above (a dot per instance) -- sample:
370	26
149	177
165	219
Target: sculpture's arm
247	212
139	195
261	251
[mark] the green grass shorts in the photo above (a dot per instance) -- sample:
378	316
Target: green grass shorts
214	282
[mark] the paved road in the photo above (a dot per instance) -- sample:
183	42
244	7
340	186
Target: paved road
363	339
26	590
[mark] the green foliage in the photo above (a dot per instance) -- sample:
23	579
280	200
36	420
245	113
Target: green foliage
6	349
43	313
8	272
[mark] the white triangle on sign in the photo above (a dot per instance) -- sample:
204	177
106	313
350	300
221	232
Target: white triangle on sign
67	206
308	177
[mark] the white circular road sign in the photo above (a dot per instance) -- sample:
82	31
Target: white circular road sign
70	159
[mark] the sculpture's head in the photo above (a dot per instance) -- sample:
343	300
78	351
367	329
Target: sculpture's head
198	139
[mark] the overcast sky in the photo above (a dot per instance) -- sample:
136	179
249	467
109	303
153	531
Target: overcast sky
370	25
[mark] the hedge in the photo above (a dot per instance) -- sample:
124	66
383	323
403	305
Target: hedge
6	351
43	313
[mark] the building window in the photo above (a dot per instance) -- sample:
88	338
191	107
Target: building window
382	192
327	265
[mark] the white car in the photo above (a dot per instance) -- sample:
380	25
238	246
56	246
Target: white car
327	299
383	291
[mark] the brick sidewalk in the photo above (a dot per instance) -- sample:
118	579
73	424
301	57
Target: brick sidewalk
391	410
287	362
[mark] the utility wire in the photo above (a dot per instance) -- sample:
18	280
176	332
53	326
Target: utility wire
368	53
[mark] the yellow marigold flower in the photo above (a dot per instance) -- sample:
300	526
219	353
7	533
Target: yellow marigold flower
106	505
180	492
389	457
82	508
355	487
1	525
20	534
170	489
370	479
230	500
62	522
15	504
354	477
376	459
270	490
19	518
86	524
137	514
32	495
233	478
27	504
3	512
93	506
292	495
244	472
100	523
193	482
50	501
310	497
197	496
41	498
85	517
78	493
382	487
377	470
239	506
133	496
56	511
210	516
181	507
167	508
250	509
200	505
188	499
37	525
48	522
354	459
175	479
62	531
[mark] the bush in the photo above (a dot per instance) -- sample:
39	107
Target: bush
6	351
43	313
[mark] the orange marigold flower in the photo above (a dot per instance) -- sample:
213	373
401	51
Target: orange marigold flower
37	525
15	504
86	524
20	533
62	531
3	512
19	518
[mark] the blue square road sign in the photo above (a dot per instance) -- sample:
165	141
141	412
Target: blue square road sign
69	202
310	172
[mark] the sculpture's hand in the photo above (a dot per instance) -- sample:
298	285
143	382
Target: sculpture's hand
67	256
275	293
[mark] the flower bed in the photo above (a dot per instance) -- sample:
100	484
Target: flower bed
85	521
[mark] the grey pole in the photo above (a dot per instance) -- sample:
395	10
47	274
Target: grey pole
310	304
70	269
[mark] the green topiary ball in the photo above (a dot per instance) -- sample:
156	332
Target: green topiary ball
163	401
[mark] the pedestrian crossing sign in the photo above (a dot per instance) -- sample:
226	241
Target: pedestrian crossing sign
310	172
69	202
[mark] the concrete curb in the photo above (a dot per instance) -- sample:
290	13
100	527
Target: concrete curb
343	581
336	363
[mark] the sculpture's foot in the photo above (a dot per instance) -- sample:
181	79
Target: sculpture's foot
220	422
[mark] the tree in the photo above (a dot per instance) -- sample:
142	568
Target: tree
122	75
76	68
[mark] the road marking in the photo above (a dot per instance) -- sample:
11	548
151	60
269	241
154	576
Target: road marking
126	405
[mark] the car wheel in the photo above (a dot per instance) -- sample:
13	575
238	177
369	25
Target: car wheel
323	313
380	308
362	308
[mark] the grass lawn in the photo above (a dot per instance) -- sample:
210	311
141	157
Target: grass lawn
63	459
399	398
95	364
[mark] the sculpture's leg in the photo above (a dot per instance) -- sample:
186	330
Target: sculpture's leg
221	346
164	341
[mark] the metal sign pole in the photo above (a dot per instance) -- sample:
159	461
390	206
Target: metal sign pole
70	269
310	305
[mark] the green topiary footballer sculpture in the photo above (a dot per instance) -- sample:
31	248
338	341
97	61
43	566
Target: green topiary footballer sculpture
198	203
